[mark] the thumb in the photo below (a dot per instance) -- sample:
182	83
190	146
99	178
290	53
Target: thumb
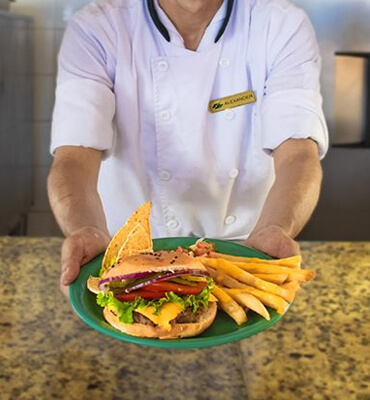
95	242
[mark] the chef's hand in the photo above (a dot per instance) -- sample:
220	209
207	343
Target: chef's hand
274	241
78	249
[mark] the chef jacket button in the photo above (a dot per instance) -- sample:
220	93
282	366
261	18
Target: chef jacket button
230	114
172	224
165	115
162	66
224	62
233	173
230	220
165	175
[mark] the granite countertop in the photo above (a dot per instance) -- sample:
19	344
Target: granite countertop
320	350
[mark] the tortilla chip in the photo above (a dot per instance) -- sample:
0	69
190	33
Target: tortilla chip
138	241
140	216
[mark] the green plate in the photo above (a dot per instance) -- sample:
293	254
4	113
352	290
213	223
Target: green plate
223	330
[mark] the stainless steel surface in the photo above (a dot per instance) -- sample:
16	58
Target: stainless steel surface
16	119
340	25
350	99
343	212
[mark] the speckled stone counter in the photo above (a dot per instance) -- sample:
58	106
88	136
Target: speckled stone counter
320	350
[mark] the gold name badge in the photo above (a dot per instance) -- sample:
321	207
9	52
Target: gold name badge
236	100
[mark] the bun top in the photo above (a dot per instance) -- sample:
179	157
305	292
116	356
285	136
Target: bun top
154	262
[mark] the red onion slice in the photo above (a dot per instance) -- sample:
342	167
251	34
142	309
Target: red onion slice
165	277
103	282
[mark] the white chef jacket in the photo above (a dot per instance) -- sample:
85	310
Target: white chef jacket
142	98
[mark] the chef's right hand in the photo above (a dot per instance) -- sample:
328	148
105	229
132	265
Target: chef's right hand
78	249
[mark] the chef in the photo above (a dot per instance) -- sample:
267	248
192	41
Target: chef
211	109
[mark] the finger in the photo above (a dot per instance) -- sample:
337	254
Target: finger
94	244
297	249
289	248
292	247
72	256
64	290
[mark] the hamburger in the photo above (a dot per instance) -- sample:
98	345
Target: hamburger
163	294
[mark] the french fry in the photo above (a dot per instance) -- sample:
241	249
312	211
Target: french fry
300	275
245	277
224	279
294	285
229	305
254	283
252	303
278	279
296	275
269	299
290	262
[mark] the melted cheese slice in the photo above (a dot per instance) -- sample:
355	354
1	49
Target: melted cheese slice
167	313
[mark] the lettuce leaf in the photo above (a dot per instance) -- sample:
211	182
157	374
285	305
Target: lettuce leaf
124	309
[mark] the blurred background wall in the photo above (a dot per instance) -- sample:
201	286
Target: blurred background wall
50	19
16	120
341	25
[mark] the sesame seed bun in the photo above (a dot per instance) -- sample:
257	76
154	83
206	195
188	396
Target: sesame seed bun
156	262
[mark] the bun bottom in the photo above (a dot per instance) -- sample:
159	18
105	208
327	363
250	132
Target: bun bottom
177	330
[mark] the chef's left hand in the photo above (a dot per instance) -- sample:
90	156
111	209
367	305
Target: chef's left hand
274	241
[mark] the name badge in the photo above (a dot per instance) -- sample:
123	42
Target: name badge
236	100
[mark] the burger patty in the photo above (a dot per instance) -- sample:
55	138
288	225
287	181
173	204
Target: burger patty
141	319
186	317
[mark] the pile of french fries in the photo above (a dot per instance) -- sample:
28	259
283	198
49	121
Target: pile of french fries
243	283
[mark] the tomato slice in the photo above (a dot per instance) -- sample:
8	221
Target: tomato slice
144	294
166	286
159	289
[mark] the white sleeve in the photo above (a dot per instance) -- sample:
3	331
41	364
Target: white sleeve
85	103
292	103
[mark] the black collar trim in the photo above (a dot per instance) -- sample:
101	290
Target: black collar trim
157	21
230	5
163	30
